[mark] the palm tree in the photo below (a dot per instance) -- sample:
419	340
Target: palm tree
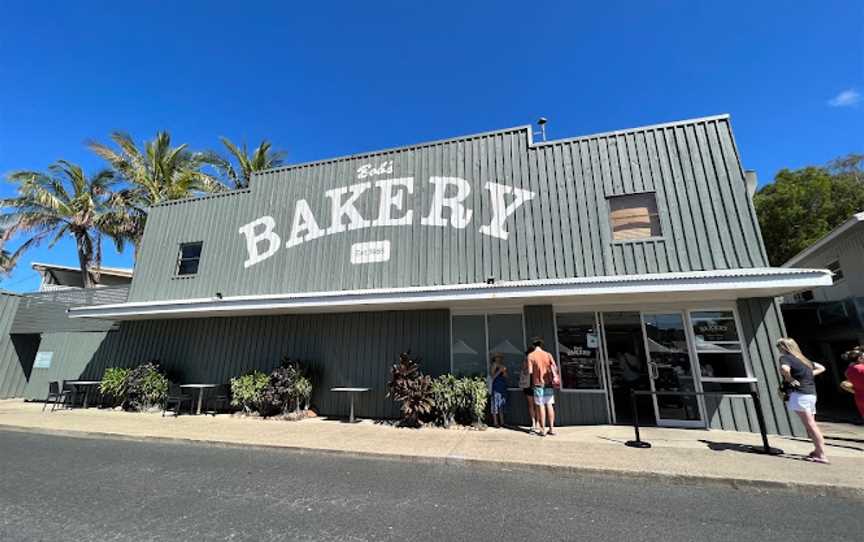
63	201
155	174
8	260
263	157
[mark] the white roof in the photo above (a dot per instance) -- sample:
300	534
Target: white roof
727	284
118	271
833	234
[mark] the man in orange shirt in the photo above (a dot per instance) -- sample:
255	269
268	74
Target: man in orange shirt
541	365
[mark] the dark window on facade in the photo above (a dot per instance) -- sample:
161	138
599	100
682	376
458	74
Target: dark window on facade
187	261
634	216
834	267
806	295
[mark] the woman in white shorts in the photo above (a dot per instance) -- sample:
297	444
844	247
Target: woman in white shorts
799	374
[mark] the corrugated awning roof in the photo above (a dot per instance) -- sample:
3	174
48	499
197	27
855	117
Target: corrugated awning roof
657	287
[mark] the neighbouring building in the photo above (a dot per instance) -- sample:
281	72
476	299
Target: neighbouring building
61	277
829	320
636	255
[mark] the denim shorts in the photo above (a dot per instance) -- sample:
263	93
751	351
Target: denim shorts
802	402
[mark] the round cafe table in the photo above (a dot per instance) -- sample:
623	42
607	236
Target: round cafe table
351	392
200	388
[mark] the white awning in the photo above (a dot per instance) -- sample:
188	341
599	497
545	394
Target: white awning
658	287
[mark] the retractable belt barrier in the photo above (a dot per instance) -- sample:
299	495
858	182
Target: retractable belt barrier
757	404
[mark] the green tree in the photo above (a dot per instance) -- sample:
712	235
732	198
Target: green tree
801	206
60	202
156	173
263	157
8	260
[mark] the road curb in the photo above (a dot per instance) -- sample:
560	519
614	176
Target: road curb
845	492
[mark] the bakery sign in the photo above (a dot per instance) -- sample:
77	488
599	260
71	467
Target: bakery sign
447	209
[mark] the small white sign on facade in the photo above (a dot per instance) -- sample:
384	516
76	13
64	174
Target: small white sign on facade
372	251
43	360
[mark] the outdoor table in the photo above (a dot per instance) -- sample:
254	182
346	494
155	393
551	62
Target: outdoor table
87	385
351	392
200	388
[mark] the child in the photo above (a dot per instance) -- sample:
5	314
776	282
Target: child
498	373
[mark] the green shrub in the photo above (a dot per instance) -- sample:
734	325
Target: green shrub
146	387
444	400
113	384
471	398
412	389
462	400
302	391
247	391
288	388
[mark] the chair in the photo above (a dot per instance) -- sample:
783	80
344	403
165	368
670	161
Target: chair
221	398
176	397
55	396
72	394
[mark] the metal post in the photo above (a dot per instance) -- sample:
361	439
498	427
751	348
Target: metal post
638	443
760	417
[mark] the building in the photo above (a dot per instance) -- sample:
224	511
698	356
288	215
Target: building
60	277
829	320
635	255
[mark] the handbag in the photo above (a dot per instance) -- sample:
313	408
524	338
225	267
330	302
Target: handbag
556	377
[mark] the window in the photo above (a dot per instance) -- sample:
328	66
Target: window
579	351
187	261
834	267
634	216
718	345
477	336
803	297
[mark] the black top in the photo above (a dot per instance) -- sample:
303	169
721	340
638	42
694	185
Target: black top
801	373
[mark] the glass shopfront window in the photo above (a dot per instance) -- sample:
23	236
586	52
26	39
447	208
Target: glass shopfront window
469	345
718	345
579	351
477	336
671	370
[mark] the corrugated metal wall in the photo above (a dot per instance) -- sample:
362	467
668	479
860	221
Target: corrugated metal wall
344	350
707	217
73	354
16	351
46	311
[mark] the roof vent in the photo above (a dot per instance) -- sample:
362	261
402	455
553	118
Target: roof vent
541	122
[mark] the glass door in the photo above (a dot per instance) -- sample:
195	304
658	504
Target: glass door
670	368
626	365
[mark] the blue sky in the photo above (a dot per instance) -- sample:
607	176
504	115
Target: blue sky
325	79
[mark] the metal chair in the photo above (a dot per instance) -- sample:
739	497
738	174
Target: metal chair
176	396
55	396
221	398
72	394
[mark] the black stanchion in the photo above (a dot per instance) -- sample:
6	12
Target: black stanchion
757	404
760	417
638	443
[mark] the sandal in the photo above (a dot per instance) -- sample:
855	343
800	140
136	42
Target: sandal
821	460
551	433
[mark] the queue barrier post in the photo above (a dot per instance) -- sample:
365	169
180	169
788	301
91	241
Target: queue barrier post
757	405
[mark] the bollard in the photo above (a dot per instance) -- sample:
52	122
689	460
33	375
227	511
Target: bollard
638	443
760	417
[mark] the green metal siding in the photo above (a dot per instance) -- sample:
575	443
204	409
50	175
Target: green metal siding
707	217
344	350
46	311
73	353
15	351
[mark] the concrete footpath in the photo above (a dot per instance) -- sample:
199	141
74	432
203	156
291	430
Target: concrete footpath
677	455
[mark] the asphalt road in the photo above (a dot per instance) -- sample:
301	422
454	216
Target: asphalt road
64	488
